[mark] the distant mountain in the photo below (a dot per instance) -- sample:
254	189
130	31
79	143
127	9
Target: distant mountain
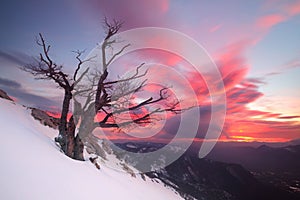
196	178
294	142
258	144
278	166
261	158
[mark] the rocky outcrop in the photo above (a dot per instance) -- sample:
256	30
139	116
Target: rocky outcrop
4	95
37	114
44	118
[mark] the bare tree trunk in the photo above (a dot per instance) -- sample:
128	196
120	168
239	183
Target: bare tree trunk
100	95
78	149
74	147
70	138
64	113
63	125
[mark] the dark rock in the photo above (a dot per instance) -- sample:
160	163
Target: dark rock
44	118
5	96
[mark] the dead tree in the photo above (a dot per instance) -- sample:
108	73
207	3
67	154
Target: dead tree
108	102
102	96
46	69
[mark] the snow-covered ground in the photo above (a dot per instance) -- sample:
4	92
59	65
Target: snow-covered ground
33	168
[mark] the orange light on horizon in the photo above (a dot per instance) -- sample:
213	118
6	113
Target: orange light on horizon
240	138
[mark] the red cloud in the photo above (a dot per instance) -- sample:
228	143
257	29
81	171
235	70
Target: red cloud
232	65
289	117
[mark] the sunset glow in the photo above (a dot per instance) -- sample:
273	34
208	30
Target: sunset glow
255	47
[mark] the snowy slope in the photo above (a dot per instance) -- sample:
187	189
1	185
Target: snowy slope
33	168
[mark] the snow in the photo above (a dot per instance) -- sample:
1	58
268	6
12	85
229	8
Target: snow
32	167
131	146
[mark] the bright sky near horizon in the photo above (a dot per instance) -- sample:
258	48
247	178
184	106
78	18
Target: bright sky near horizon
255	43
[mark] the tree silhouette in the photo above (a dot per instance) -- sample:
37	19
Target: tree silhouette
46	69
107	100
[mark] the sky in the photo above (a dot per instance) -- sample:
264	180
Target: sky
255	44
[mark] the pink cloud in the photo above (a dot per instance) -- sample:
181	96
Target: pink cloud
135	13
232	64
293	8
215	28
282	11
165	5
269	21
239	97
292	64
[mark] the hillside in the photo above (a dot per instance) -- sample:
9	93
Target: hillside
32	167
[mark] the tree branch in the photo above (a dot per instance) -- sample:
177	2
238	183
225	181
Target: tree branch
116	54
135	76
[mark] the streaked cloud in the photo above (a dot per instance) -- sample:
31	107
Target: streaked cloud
215	28
268	21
